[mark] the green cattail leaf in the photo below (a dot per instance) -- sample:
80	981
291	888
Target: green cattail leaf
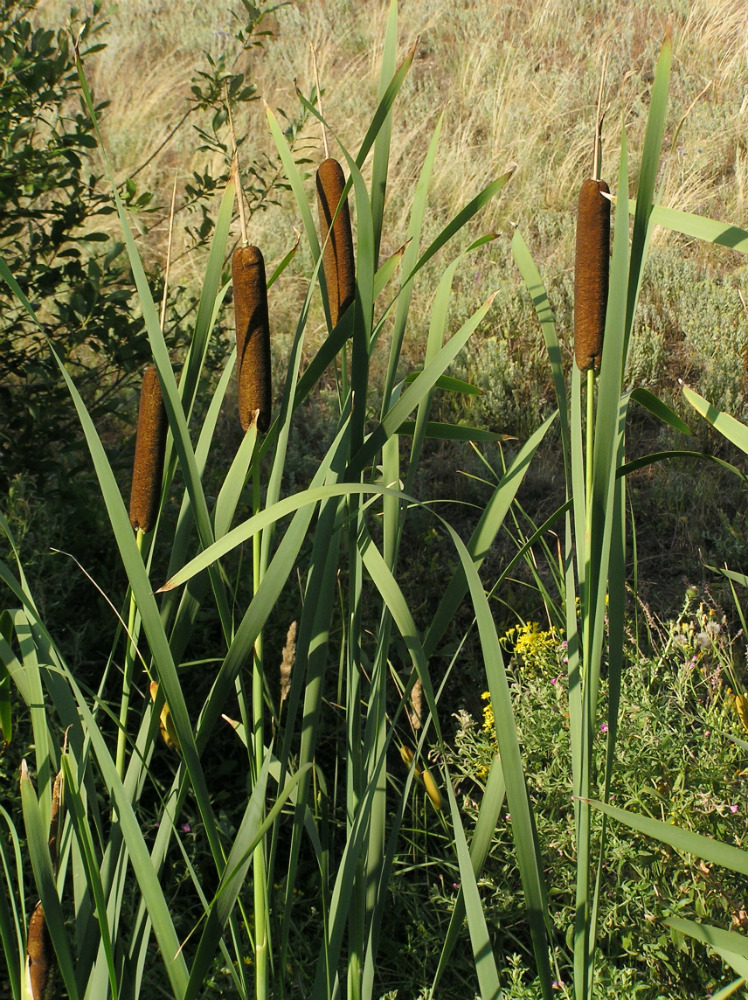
210	297
410	260
92	866
491	806
296	181
483	957
7	660
731	988
451	432
648	176
448	383
381	159
418	391
657	408
728	426
709	230
12	911
731	947
261	520
535	286
528	854
483	536
734	858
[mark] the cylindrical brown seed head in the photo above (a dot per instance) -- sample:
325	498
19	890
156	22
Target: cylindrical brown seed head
591	273
150	443
252	336
40	957
337	256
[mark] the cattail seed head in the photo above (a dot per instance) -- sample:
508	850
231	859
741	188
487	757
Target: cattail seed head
415	711
337	256
252	337
40	957
591	273
287	662
150	443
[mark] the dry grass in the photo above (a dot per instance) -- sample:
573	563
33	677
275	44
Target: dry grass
525	95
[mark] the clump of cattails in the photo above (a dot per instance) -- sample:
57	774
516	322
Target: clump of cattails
591	273
252	337
150	443
337	255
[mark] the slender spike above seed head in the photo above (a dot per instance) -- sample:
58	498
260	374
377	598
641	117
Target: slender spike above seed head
591	273
252	336
337	255
150	444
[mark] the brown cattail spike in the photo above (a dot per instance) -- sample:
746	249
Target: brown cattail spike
591	273
252	336
150	443
40	958
337	256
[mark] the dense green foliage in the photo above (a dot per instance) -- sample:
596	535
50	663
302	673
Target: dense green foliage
311	777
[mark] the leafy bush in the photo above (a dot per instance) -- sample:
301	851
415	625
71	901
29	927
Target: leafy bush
674	761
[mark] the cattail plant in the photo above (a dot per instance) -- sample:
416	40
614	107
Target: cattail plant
149	454
252	336
337	255
591	273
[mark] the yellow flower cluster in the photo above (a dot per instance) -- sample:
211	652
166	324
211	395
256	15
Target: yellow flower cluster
488	717
533	647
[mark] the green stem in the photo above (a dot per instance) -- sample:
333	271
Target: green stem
129	668
258	751
582	981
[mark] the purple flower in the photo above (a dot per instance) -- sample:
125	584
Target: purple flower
604	727
733	809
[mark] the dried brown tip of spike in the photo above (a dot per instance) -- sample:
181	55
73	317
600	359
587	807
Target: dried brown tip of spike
591	273
252	336
287	663
150	444
337	256
40	960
